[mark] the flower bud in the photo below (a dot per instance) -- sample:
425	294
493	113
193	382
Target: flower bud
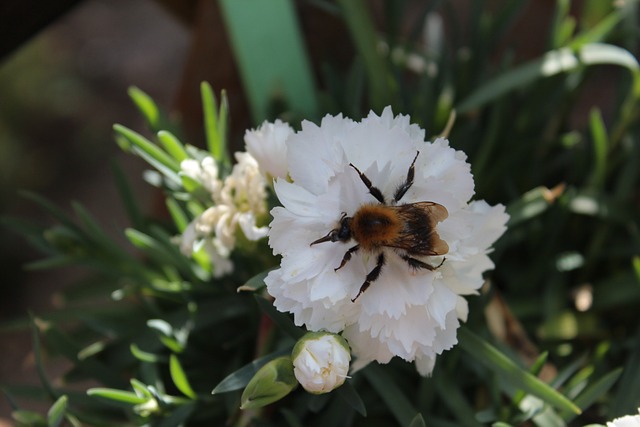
321	361
271	383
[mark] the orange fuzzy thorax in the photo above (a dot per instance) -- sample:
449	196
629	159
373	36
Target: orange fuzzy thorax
374	225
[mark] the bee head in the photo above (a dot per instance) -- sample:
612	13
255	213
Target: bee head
340	234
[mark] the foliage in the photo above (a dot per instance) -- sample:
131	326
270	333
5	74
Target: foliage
159	333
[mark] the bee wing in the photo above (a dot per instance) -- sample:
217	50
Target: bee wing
435	211
438	246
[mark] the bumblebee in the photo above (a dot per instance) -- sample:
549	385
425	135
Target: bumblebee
409	229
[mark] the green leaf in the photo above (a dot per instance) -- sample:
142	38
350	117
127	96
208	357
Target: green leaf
360	24
145	356
172	145
216	140
146	105
127	197
178	416
56	413
117	395
179	377
256	283
350	395
149	148
593	392
496	361
177	214
240	378
391	394
418	421
271	56
29	418
551	63
271	383
600	148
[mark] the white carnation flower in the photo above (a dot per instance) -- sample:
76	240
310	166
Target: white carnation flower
237	203
267	145
626	421
410	311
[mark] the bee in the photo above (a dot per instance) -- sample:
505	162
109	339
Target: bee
409	229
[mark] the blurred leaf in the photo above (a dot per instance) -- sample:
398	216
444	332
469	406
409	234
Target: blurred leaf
256	283
29	419
351	396
600	148
147	107
127	197
418	421
531	204
593	392
360	24
179	377
172	145
144	356
216	140
626	399
395	399
117	395
56	413
551	63
278	71
147	147
489	356
240	378
177	416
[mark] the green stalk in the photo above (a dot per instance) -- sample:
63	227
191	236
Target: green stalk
358	19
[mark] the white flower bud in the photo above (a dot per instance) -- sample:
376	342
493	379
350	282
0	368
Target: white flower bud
321	361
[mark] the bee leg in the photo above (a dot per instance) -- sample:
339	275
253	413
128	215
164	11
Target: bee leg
375	191
347	257
416	263
402	189
371	277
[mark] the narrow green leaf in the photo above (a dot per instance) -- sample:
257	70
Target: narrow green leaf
216	144
271	383
271	56
147	147
117	395
551	63
178	416
146	105
179	377
600	147
593	392
172	145
599	32
350	395
418	421
144	356
127	197
29	418
496	361
626	399
56	413
393	397
256	283
240	378
177	214
360	24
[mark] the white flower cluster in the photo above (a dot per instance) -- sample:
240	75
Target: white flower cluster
238	202
406	311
